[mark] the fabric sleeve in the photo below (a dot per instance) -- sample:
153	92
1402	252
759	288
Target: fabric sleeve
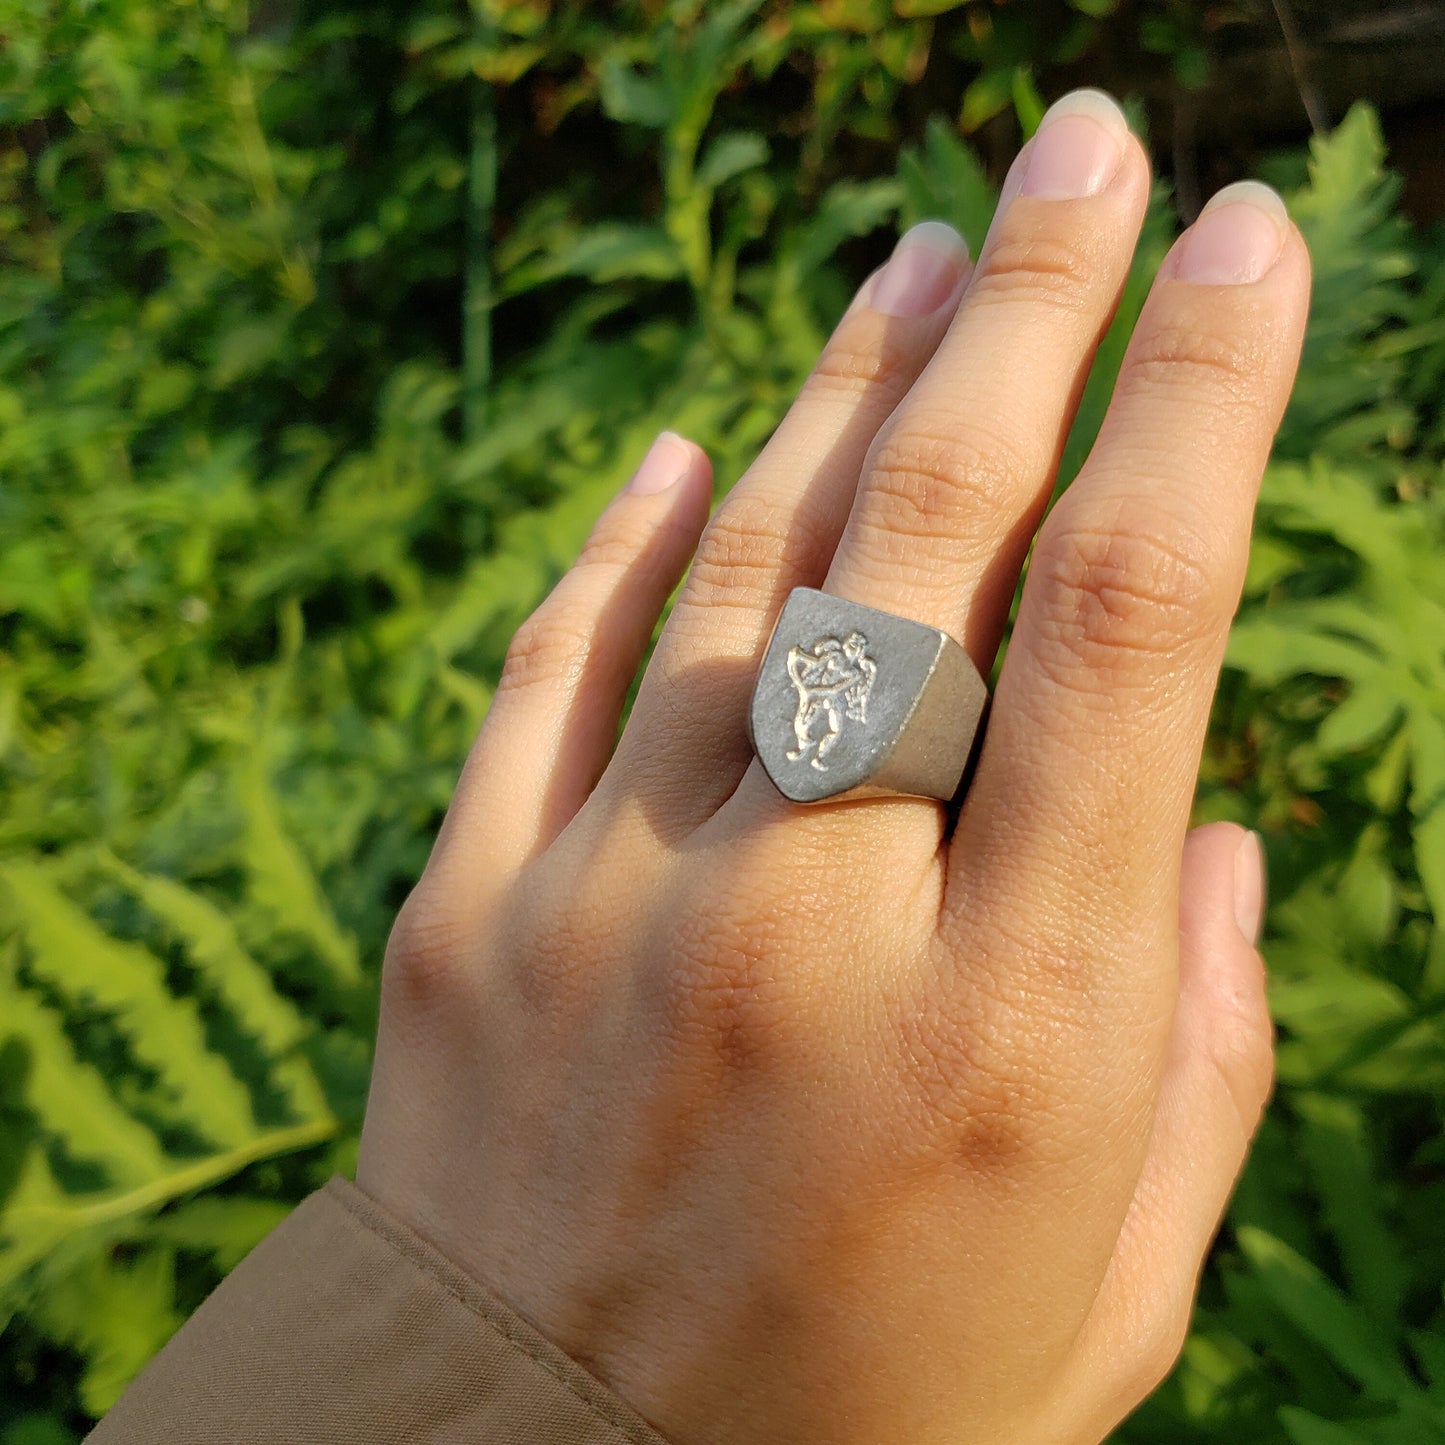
343	1325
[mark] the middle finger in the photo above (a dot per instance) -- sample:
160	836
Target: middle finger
955	481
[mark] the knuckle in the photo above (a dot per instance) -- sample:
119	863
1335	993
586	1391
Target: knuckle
1157	1345
1146	1338
1112	593
999	1111
1201	359
744	549
611	549
924	480
1241	1045
728	995
566	932
559	970
425	953
867	354
549	646
1055	269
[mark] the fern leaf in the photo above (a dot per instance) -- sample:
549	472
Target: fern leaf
116	1314
71	954
232	976
225	1227
70	1098
47	1229
283	884
1316	1307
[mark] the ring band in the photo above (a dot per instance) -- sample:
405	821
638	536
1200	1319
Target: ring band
854	702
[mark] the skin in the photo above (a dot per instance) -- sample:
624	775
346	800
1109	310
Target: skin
838	1124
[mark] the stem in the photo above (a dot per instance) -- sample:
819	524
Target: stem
296	278
478	294
687	209
210	1170
1309	97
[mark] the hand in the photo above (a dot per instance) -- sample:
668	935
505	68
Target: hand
833	1124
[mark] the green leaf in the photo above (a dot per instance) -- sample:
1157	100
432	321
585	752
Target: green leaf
117	1314
944	180
225	1227
919	9
89	969
604	253
36	1430
1336	1145
284	885
71	1097
729	155
985	97
234	978
1321	1311
635	99
847	210
1358	722
1029	105
1429	838
1306	1429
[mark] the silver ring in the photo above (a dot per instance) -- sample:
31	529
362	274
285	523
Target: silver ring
854	702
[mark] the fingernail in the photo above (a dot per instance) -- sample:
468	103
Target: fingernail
1249	887
923	271
666	461
1077	148
1238	237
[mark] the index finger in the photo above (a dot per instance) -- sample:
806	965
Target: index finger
1089	764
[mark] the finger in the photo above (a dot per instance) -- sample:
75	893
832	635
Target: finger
1216	1081
1088	767
553	722
955	482
777	530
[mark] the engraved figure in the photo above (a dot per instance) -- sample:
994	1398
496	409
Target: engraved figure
833	680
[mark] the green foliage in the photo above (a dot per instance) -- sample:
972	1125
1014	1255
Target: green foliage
325	333
1321	1319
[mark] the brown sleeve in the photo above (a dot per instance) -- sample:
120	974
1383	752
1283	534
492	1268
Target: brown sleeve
343	1325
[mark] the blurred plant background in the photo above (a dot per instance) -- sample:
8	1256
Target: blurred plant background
325	330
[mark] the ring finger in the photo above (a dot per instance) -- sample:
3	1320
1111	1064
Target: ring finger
777	530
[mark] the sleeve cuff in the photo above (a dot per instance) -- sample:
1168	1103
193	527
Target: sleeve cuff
344	1325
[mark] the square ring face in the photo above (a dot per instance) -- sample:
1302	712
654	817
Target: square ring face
835	693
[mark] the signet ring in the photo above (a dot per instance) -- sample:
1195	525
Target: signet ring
854	702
